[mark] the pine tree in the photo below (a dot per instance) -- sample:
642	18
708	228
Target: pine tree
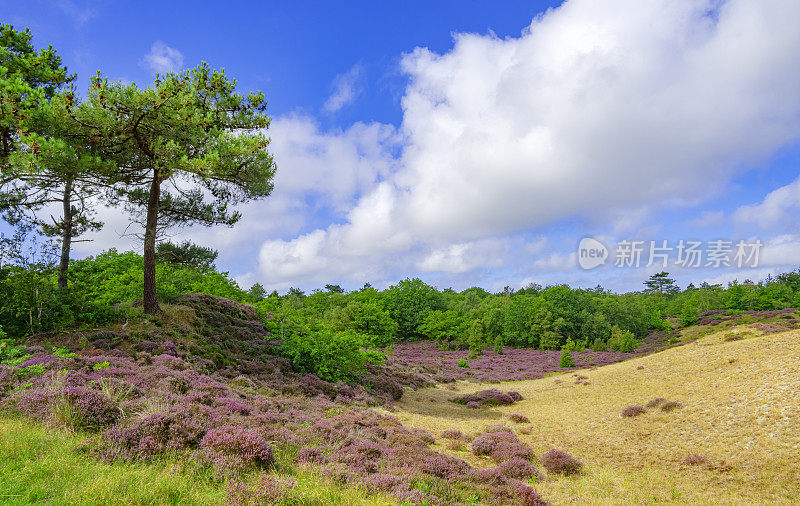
187	149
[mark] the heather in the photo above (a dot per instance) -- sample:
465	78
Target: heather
561	462
491	397
237	422
428	360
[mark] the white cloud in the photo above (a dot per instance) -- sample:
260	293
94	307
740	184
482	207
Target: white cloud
708	219
779	207
346	88
163	58
604	111
80	15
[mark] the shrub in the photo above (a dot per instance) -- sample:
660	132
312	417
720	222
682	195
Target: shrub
240	442
598	345
566	359
463	363
518	418
453	434
101	366
501	446
560	462
84	408
632	411
656	402
491	397
622	341
517	468
671	406
694	459
333	356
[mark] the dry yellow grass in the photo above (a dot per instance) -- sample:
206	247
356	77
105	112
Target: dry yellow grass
741	409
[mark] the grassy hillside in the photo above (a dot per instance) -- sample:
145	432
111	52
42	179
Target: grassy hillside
45	466
738	409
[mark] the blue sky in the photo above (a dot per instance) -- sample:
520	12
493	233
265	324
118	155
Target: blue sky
476	143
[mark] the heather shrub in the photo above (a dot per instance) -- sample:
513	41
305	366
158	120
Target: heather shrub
518	418
632	411
453	434
526	495
501	446
560	462
238	441
671	406
518	468
491	397
694	459
80	408
656	402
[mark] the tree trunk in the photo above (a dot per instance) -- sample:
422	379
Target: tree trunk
150	297
66	235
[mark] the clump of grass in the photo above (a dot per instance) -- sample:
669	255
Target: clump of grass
632	411
656	402
694	459
671	406
518	418
561	462
456	446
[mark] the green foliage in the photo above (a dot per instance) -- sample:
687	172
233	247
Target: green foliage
498	345
566	359
30	371
101	366
62	352
444	326
550	340
622	340
463	363
186	253
599	345
689	315
662	284
333	356
410	302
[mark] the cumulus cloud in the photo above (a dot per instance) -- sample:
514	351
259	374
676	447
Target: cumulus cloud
778	208
597	110
346	88
163	58
708	219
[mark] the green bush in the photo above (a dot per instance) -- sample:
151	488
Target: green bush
689	315
333	356
463	363
550	340
566	359
598	345
623	341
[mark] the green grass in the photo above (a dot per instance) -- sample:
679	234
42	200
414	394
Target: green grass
46	466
